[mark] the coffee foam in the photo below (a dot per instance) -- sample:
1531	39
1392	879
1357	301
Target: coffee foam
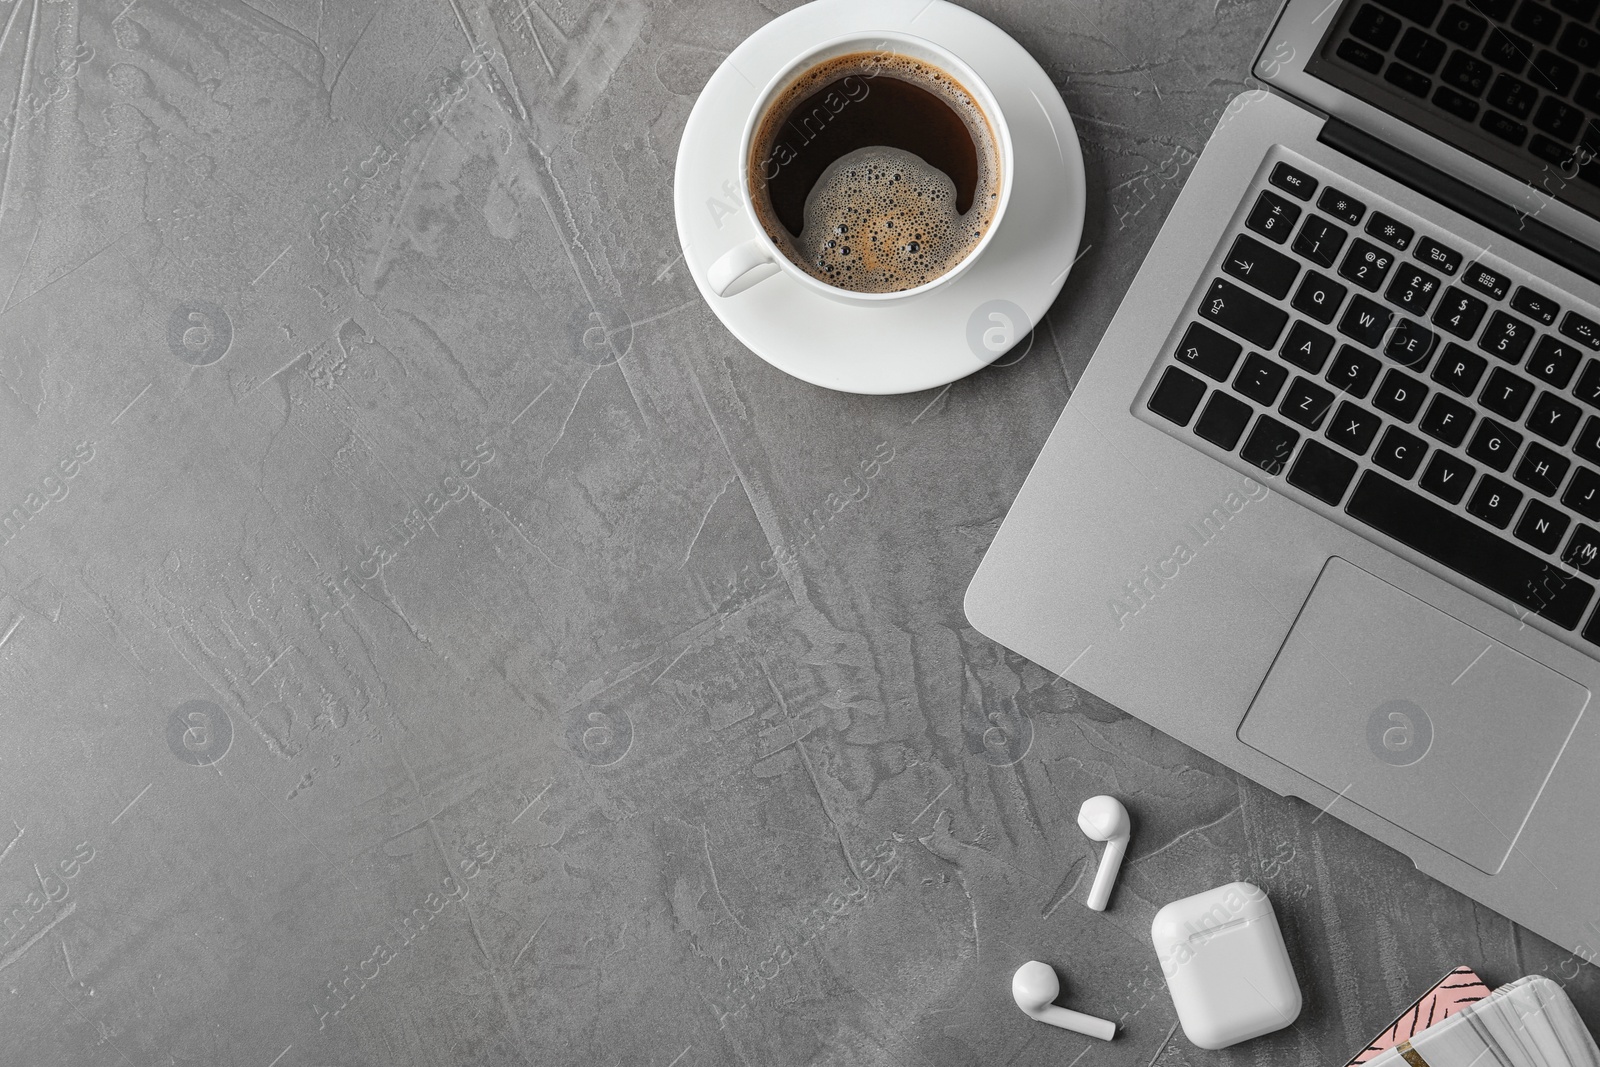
880	219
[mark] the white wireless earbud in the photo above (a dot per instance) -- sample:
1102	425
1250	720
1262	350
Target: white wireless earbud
1035	987
1105	819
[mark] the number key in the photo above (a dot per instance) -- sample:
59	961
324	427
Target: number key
1413	289
1366	265
1319	240
1553	362
1459	313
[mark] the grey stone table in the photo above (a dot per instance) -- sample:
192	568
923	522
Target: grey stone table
428	638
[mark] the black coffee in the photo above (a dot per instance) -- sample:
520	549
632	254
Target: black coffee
875	172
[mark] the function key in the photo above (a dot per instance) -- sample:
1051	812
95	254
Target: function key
1504	128
1294	182
1391	232
1487	281
1582	330
1273	217
1535	305
1375	26
1408	79
1437	255
1346	209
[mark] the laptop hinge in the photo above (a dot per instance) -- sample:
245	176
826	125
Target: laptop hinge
1515	225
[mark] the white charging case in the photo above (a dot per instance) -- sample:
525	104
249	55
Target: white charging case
1226	965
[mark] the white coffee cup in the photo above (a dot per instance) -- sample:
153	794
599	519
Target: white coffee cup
752	261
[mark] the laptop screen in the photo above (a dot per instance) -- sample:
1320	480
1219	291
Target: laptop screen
1513	83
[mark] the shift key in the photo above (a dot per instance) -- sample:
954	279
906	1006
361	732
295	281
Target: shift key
1244	314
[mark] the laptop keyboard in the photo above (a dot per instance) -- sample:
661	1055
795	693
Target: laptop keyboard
1402	383
1521	71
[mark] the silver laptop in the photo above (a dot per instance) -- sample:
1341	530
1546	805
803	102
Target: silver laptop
1326	504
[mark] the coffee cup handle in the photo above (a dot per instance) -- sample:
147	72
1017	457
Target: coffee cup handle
735	263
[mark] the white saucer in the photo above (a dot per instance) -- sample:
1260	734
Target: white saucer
924	341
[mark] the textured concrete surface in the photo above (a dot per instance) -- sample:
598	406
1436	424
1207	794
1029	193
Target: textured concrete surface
426	637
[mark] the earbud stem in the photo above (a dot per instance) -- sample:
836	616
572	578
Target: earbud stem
1076	1021
1110	864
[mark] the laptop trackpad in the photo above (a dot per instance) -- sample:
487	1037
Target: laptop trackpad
1413	715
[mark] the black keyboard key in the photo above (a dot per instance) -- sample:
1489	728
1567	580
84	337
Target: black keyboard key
1583	551
1260	379
1486	281
1544	147
1296	183
1413	82
1542	526
1552	73
1438	256
1514	97
1588	94
1400	452
1507	50
1400	395
1413	289
1447	420
1462	108
1588	387
1466	548
1322	472
1269	445
1177	396
1583	10
1581	43
1243	313
1583	494
1494	502
1346	209
1391	232
1459	370
1208	352
1447	477
1365	322
1353	371
1587	446
1353	428
1460	26
1319	296
1506	337
1536	306
1375	26
1367	265
1537	21
1504	128
1494	445
1459	313
1584	331
1543	469
1553	419
1306	347
1506	394
1306	402
1467	73
1272	217
1422	50
1360	56
1223	420
1411	345
1319	240
1257	265
1553	361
